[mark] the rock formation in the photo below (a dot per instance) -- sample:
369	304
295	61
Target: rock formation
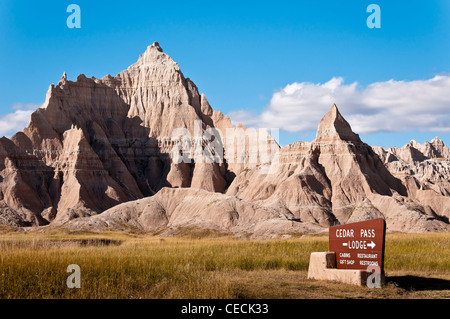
145	150
424	170
413	152
334	179
96	143
338	179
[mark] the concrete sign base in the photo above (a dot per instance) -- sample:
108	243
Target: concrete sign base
322	266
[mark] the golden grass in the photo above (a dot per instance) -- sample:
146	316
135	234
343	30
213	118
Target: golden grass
421	253
119	265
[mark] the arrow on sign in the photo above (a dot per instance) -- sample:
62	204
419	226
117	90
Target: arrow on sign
371	245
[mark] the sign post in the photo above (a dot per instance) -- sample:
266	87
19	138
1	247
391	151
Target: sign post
359	245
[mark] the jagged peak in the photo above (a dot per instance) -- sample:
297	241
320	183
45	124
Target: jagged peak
156	46
152	49
437	141
63	80
333	126
413	143
154	55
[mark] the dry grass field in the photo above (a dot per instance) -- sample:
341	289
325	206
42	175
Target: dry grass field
118	265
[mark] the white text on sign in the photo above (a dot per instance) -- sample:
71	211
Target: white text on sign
359	244
365	233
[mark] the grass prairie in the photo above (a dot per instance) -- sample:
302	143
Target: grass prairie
119	265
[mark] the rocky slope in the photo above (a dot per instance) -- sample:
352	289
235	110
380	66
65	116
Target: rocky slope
172	209
144	150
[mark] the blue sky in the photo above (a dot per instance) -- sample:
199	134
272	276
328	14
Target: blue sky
241	54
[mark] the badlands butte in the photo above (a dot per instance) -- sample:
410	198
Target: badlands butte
144	151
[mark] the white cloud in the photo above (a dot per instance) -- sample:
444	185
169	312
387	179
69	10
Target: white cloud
13	122
392	106
26	106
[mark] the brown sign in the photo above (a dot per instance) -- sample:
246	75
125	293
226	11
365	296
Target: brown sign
358	245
